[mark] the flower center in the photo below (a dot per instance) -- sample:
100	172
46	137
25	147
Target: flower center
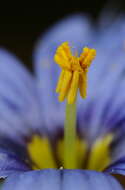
43	155
71	152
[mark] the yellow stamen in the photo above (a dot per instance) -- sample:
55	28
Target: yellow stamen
65	85
73	88
40	152
100	154
83	84
74	72
60	81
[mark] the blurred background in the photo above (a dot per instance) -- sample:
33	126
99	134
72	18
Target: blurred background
21	24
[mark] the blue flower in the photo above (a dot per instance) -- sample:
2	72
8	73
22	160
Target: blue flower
31	118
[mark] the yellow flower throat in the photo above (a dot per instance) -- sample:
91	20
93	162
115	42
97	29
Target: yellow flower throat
74	72
43	156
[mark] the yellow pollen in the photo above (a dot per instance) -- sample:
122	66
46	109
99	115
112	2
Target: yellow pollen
74	72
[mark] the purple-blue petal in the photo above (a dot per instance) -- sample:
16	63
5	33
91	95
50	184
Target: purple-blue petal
34	180
105	101
19	106
10	163
76	179
117	167
61	179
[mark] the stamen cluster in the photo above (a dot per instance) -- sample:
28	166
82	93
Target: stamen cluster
74	72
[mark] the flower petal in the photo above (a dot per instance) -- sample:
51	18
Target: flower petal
86	180
19	107
74	29
106	110
10	163
34	180
62	179
117	167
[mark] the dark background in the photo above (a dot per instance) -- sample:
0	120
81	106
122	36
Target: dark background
21	24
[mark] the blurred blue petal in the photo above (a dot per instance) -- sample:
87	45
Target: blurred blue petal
88	180
10	163
61	179
118	146
34	180
104	104
117	167
77	31
19	106
116	27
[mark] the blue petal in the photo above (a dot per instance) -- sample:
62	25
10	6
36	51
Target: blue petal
88	180
10	163
117	167
61	179
77	31
106	82
118	146
34	180
19	107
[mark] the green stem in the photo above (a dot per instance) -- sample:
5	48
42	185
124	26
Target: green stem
70	137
